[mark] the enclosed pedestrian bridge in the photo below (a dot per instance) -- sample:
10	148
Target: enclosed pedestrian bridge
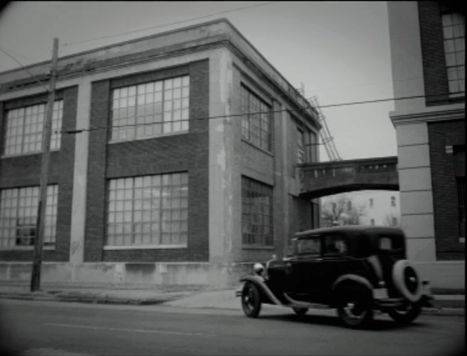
327	178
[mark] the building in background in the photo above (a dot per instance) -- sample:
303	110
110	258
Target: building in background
380	208
428	63
173	161
366	207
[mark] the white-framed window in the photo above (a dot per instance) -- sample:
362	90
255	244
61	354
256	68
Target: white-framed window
256	213
393	201
18	216
148	210
23	131
256	121
454	50
150	109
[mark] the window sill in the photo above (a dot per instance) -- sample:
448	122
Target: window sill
113	142
25	154
269	153
144	247
26	248
255	247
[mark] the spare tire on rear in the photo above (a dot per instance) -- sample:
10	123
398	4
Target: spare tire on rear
407	280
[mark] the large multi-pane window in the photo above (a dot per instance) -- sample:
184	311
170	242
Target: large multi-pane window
454	49
150	109
256	121
301	151
314	144
18	216
23	132
256	213
148	210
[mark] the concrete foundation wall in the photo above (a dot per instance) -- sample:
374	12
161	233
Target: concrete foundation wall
127	274
441	274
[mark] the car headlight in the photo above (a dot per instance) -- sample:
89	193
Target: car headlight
258	268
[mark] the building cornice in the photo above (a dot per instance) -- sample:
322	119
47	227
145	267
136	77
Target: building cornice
211	35
428	116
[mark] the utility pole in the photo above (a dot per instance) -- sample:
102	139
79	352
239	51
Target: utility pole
45	147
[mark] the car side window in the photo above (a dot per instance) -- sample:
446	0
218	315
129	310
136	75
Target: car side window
309	246
334	245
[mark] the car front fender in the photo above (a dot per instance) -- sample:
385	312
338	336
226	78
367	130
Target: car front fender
259	282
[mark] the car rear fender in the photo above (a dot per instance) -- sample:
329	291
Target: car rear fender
350	280
266	292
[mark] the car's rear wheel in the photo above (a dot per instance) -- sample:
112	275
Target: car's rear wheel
355	309
251	300
406	313
300	311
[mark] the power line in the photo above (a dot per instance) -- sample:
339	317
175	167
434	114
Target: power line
202	118
241	114
24	68
168	24
319	106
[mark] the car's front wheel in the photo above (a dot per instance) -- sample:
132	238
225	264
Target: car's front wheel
251	300
406	313
355	308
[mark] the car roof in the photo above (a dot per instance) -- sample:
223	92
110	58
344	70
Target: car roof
351	228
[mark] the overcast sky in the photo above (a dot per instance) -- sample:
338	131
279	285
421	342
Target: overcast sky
338	50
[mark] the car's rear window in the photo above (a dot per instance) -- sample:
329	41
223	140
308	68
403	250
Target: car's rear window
390	243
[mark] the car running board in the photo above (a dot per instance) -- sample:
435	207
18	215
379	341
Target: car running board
293	303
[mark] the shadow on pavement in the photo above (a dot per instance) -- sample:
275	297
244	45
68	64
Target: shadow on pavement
375	325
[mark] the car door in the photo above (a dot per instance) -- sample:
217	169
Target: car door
336	261
303	271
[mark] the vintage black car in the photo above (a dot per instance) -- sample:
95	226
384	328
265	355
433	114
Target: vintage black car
354	269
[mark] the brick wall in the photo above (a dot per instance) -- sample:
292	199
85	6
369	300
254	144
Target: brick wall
443	177
165	154
21	171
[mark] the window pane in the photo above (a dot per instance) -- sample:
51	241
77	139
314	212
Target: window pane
145	214
256	213
256	122
151	109
23	133
454	37
18	215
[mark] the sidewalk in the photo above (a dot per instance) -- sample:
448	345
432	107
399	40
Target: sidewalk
453	304
94	295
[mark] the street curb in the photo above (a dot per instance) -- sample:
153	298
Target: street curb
90	299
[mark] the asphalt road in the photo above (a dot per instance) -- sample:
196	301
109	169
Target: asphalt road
70	329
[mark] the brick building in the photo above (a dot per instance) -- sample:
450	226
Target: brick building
428	59
173	161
